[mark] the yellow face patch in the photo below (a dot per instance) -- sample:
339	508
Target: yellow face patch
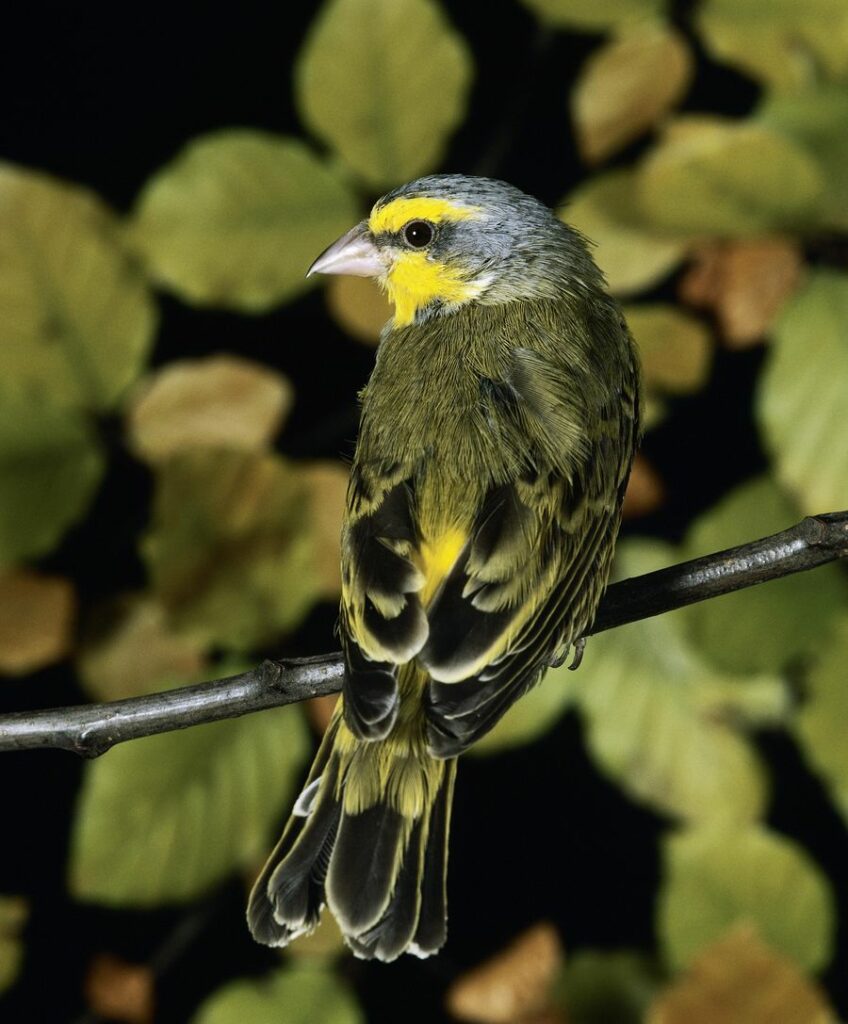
398	212
415	281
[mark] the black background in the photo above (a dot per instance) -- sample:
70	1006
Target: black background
105	100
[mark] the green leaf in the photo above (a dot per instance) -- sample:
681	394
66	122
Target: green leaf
782	43
718	876
13	915
232	547
165	818
631	252
591	16
675	347
76	318
822	722
764	628
531	717
301	994
236	219
50	466
803	394
385	82
627	86
645	695
816	119
718	177
604	987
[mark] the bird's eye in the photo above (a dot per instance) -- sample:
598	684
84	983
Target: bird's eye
418	233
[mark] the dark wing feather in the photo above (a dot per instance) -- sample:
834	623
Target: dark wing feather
529	581
382	621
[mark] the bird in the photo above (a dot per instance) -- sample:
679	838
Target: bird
497	433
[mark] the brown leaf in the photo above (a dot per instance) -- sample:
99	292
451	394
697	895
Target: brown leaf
513	987
36	620
319	711
744	283
358	307
627	86
645	491
138	652
120	990
219	400
741	980
327	486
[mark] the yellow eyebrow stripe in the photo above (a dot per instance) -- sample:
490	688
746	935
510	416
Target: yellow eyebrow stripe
398	212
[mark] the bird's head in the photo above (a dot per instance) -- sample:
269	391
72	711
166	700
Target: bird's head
448	239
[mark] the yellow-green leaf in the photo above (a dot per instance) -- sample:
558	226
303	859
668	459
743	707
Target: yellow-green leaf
783	43
76	318
718	177
739	979
675	347
630	251
720	875
822	723
764	628
220	400
137	652
627	86
385	82
590	16
237	217
803	394
50	465
163	819
815	119
358	307
13	915
305	993
645	695
36	620
604	987
232	546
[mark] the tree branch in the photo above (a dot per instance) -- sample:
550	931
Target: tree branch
90	730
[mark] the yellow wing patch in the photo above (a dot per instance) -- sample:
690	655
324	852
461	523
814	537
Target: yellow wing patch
398	212
437	560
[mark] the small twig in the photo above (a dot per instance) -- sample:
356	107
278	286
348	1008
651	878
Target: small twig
90	730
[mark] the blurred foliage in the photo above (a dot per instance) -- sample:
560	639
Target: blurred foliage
716	230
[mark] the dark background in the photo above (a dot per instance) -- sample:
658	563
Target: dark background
105	101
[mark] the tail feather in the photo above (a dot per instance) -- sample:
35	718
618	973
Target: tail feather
380	864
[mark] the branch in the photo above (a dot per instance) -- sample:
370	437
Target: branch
90	730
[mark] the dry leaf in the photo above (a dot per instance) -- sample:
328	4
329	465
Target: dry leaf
514	986
119	990
36	620
327	485
741	980
319	711
744	283
220	400
358	307
138	653
645	491
627	86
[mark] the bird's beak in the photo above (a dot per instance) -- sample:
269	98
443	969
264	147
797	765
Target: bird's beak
354	253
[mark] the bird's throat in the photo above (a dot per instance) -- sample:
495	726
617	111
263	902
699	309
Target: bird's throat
416	282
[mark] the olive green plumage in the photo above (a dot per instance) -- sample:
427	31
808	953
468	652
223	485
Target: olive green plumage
497	434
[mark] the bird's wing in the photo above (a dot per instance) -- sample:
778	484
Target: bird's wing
527	583
383	623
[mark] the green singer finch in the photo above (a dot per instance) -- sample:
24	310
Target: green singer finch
497	434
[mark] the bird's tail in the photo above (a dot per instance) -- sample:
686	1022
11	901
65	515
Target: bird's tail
368	837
